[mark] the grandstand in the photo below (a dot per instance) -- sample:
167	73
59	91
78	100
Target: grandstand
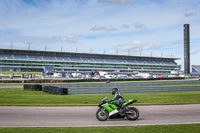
196	69
32	60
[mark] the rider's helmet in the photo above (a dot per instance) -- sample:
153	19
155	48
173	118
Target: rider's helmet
114	90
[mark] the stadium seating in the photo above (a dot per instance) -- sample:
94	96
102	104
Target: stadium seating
18	56
110	60
63	61
49	58
84	59
62	58
87	59
6	56
121	61
132	61
35	57
99	60
196	69
75	59
140	62
169	63
149	62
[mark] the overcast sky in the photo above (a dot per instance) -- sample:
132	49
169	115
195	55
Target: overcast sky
146	27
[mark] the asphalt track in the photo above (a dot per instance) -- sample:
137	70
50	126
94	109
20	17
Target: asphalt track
11	86
21	116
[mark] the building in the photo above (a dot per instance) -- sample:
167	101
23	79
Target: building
35	61
196	69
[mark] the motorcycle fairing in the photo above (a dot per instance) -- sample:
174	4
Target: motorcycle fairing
109	107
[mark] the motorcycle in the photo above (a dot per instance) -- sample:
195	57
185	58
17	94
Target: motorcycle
107	109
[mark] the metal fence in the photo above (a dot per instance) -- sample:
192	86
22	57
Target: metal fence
131	87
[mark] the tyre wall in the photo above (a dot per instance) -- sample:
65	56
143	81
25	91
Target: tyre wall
55	90
33	87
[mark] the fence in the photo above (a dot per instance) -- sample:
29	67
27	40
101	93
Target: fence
131	87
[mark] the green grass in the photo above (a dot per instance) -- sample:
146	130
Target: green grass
8	72
185	128
18	97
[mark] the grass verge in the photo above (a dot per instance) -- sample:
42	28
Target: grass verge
8	72
185	128
18	97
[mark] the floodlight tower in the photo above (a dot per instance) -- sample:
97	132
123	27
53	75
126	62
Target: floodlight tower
187	49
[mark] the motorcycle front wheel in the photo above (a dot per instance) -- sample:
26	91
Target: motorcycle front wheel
132	114
102	114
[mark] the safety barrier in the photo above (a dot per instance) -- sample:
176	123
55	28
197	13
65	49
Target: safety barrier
33	87
126	87
130	87
55	90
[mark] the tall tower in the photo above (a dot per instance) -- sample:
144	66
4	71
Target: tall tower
187	49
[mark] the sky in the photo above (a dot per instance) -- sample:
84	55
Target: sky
124	27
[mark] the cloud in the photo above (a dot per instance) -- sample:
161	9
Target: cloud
69	38
114	1
133	46
194	51
136	46
152	46
84	22
140	26
125	26
103	28
191	14
178	41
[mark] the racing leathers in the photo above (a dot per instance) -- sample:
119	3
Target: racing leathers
120	100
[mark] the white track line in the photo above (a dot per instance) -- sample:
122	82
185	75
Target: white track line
112	125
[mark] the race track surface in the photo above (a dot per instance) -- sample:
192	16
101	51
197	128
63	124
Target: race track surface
16	116
11	86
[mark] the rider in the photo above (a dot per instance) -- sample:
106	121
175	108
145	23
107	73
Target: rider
118	96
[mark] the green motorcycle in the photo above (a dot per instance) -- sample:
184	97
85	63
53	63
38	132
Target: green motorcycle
108	109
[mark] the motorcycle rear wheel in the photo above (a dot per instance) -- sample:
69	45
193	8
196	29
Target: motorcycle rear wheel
133	115
102	114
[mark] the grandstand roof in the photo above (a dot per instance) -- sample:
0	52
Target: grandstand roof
55	53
